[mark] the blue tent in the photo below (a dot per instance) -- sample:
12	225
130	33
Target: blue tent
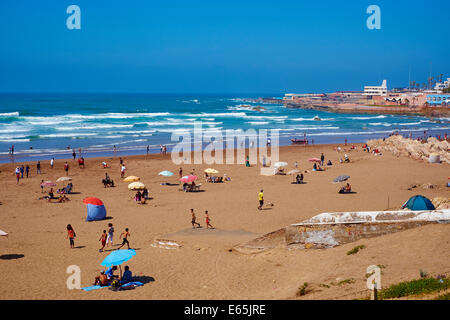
419	203
95	209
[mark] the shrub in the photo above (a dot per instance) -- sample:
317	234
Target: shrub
355	249
420	286
302	290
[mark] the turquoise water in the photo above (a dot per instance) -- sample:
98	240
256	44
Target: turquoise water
54	124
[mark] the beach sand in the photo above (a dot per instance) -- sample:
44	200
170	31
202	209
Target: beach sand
35	255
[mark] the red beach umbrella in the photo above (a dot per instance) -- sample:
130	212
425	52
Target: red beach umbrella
189	178
93	200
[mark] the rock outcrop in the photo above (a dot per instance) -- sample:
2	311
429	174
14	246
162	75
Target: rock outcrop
415	149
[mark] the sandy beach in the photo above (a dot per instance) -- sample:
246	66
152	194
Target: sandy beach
35	255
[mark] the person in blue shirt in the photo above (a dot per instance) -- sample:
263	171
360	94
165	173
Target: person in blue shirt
127	276
110	272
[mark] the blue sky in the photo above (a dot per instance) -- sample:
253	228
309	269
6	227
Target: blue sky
219	46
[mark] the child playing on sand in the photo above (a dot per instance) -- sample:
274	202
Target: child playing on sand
208	225
109	239
103	240
124	236
193	219
71	235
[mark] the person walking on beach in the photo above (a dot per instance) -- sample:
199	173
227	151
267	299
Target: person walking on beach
208	225
296	165
74	154
180	172
103	240
109	239
193	220
22	170
148	149
52	162
27	170
17	174
122	171
322	159
124	235
71	235
261	199
66	168
38	167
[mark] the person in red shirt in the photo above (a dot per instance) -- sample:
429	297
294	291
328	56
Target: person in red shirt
71	235
103	240
208	225
66	168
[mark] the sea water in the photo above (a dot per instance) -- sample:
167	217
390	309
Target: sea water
42	126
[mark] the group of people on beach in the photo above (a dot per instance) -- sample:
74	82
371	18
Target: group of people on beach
207	220
106	237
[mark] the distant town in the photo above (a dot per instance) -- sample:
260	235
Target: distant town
431	99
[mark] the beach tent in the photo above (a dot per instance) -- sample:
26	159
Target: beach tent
434	158
419	203
95	209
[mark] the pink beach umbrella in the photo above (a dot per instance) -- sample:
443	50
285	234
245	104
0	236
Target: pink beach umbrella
48	184
188	178
314	160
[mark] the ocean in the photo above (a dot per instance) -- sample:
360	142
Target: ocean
42	126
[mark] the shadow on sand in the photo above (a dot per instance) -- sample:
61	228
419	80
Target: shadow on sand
11	256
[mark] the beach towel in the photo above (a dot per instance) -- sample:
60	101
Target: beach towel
134	283
90	288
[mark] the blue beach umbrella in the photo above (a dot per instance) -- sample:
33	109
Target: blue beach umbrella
166	173
117	257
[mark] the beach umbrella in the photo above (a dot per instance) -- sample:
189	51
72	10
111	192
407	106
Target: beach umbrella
3	233
294	171
211	170
188	178
165	173
341	178
93	200
117	257
280	164
64	179
136	186
48	184
131	179
314	160
95	209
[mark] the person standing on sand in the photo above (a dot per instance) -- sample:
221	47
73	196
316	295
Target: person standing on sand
71	235
122	171
180	172
208	225
17	174
124	235
74	154
66	168
109	239
193	221
148	149
52	162
261	199
22	170
103	240
38	167
27	170
322	159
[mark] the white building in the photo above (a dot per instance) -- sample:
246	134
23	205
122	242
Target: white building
376	90
442	85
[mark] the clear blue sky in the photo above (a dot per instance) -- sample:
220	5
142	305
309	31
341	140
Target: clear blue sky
219	46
